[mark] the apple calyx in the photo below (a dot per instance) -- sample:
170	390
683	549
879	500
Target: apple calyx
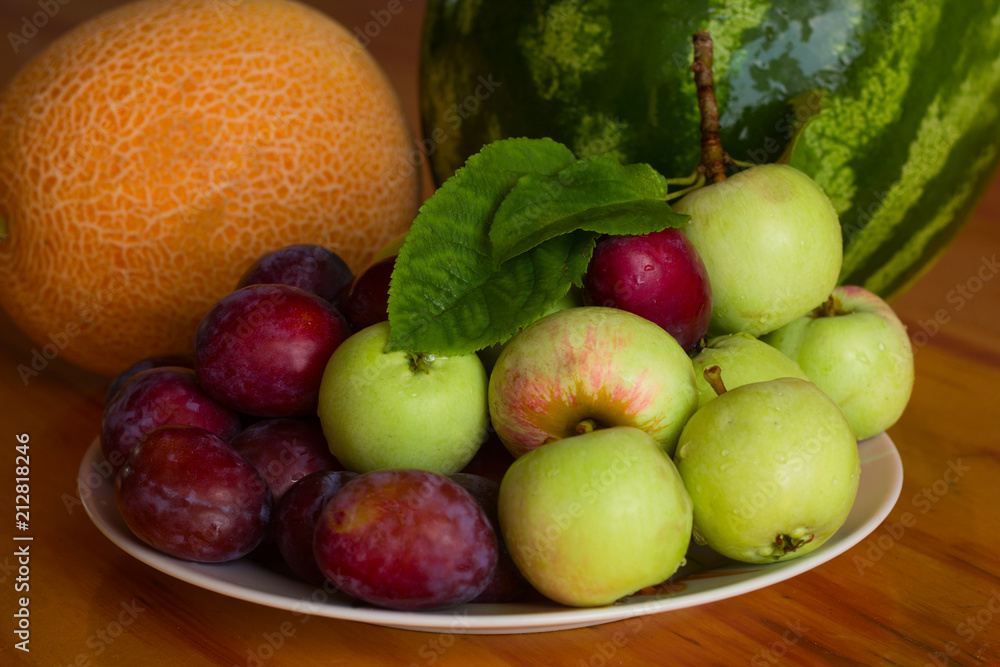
421	362
713	376
786	544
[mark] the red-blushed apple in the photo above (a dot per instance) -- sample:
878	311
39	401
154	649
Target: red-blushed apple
772	469
593	518
742	359
771	241
489	355
399	410
589	368
855	348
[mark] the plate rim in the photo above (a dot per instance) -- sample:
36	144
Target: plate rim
879	448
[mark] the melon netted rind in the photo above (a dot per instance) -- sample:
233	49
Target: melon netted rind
151	154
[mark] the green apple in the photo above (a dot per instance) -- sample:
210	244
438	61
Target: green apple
856	349
771	243
772	469
398	410
595	517
489	355
588	368
742	359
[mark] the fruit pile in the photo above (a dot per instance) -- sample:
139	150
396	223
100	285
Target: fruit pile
295	429
556	382
239	449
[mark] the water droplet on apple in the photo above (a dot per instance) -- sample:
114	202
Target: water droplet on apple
649	267
780	458
684	450
725	452
881	347
698	537
736	511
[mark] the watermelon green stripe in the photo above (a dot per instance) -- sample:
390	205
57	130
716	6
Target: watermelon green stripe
869	106
956	146
907	139
935	118
919	249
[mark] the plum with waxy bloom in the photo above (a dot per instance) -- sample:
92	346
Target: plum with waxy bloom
187	493
406	539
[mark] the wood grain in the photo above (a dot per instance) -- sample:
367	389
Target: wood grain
923	589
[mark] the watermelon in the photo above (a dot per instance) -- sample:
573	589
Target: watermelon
893	105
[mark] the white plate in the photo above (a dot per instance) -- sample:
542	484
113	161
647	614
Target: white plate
706	578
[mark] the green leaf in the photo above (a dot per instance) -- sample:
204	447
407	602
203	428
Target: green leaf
508	299
443	290
598	195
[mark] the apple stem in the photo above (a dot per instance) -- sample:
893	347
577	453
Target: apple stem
713	158
830	307
713	376
586	426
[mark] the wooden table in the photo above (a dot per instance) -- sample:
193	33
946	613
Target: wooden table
922	589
